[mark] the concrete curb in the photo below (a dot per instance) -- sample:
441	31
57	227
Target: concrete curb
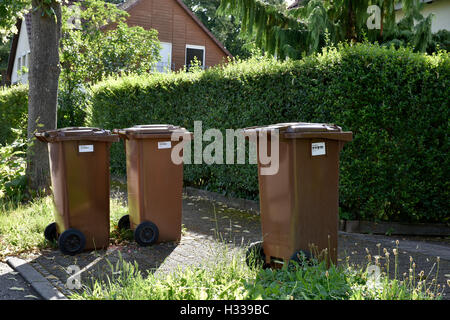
396	228
39	283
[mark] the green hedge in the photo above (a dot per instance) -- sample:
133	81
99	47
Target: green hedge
395	102
13	112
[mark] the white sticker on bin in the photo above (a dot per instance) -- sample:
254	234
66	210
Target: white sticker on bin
86	148
164	145
318	149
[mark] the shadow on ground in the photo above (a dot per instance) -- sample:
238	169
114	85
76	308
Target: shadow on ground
209	226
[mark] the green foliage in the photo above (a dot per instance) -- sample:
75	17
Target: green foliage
273	30
10	10
222	279
13	112
394	101
72	106
227	277
440	41
4	55
12	171
302	283
89	52
227	28
22	225
305	30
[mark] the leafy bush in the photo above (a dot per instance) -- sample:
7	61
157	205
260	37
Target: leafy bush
14	110
12	171
394	101
89	53
13	113
72	106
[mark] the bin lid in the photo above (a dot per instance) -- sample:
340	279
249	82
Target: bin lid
77	133
293	130
151	131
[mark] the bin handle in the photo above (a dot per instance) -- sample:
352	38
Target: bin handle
42	136
121	133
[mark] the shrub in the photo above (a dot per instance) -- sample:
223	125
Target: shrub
12	171
13	113
14	110
394	101
72	106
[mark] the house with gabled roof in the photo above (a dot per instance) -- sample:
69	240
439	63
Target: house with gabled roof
183	37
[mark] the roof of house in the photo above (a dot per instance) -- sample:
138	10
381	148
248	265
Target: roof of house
14	43
124	6
131	3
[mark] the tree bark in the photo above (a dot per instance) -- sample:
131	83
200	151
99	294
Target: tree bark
351	23
43	89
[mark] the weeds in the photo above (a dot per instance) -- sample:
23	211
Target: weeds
229	277
221	279
22	225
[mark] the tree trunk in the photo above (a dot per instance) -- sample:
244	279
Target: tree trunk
43	89
351	23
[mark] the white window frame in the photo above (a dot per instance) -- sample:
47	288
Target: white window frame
163	59
191	46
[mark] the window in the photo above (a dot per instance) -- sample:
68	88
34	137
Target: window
193	52
165	64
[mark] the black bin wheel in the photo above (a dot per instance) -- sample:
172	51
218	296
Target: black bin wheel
71	242
302	258
146	233
50	232
255	256
124	222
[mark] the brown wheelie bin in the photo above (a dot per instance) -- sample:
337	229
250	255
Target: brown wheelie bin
300	203
79	165
154	183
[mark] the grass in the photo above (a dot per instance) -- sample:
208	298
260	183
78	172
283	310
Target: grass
229	278
212	281
22	225
226	276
